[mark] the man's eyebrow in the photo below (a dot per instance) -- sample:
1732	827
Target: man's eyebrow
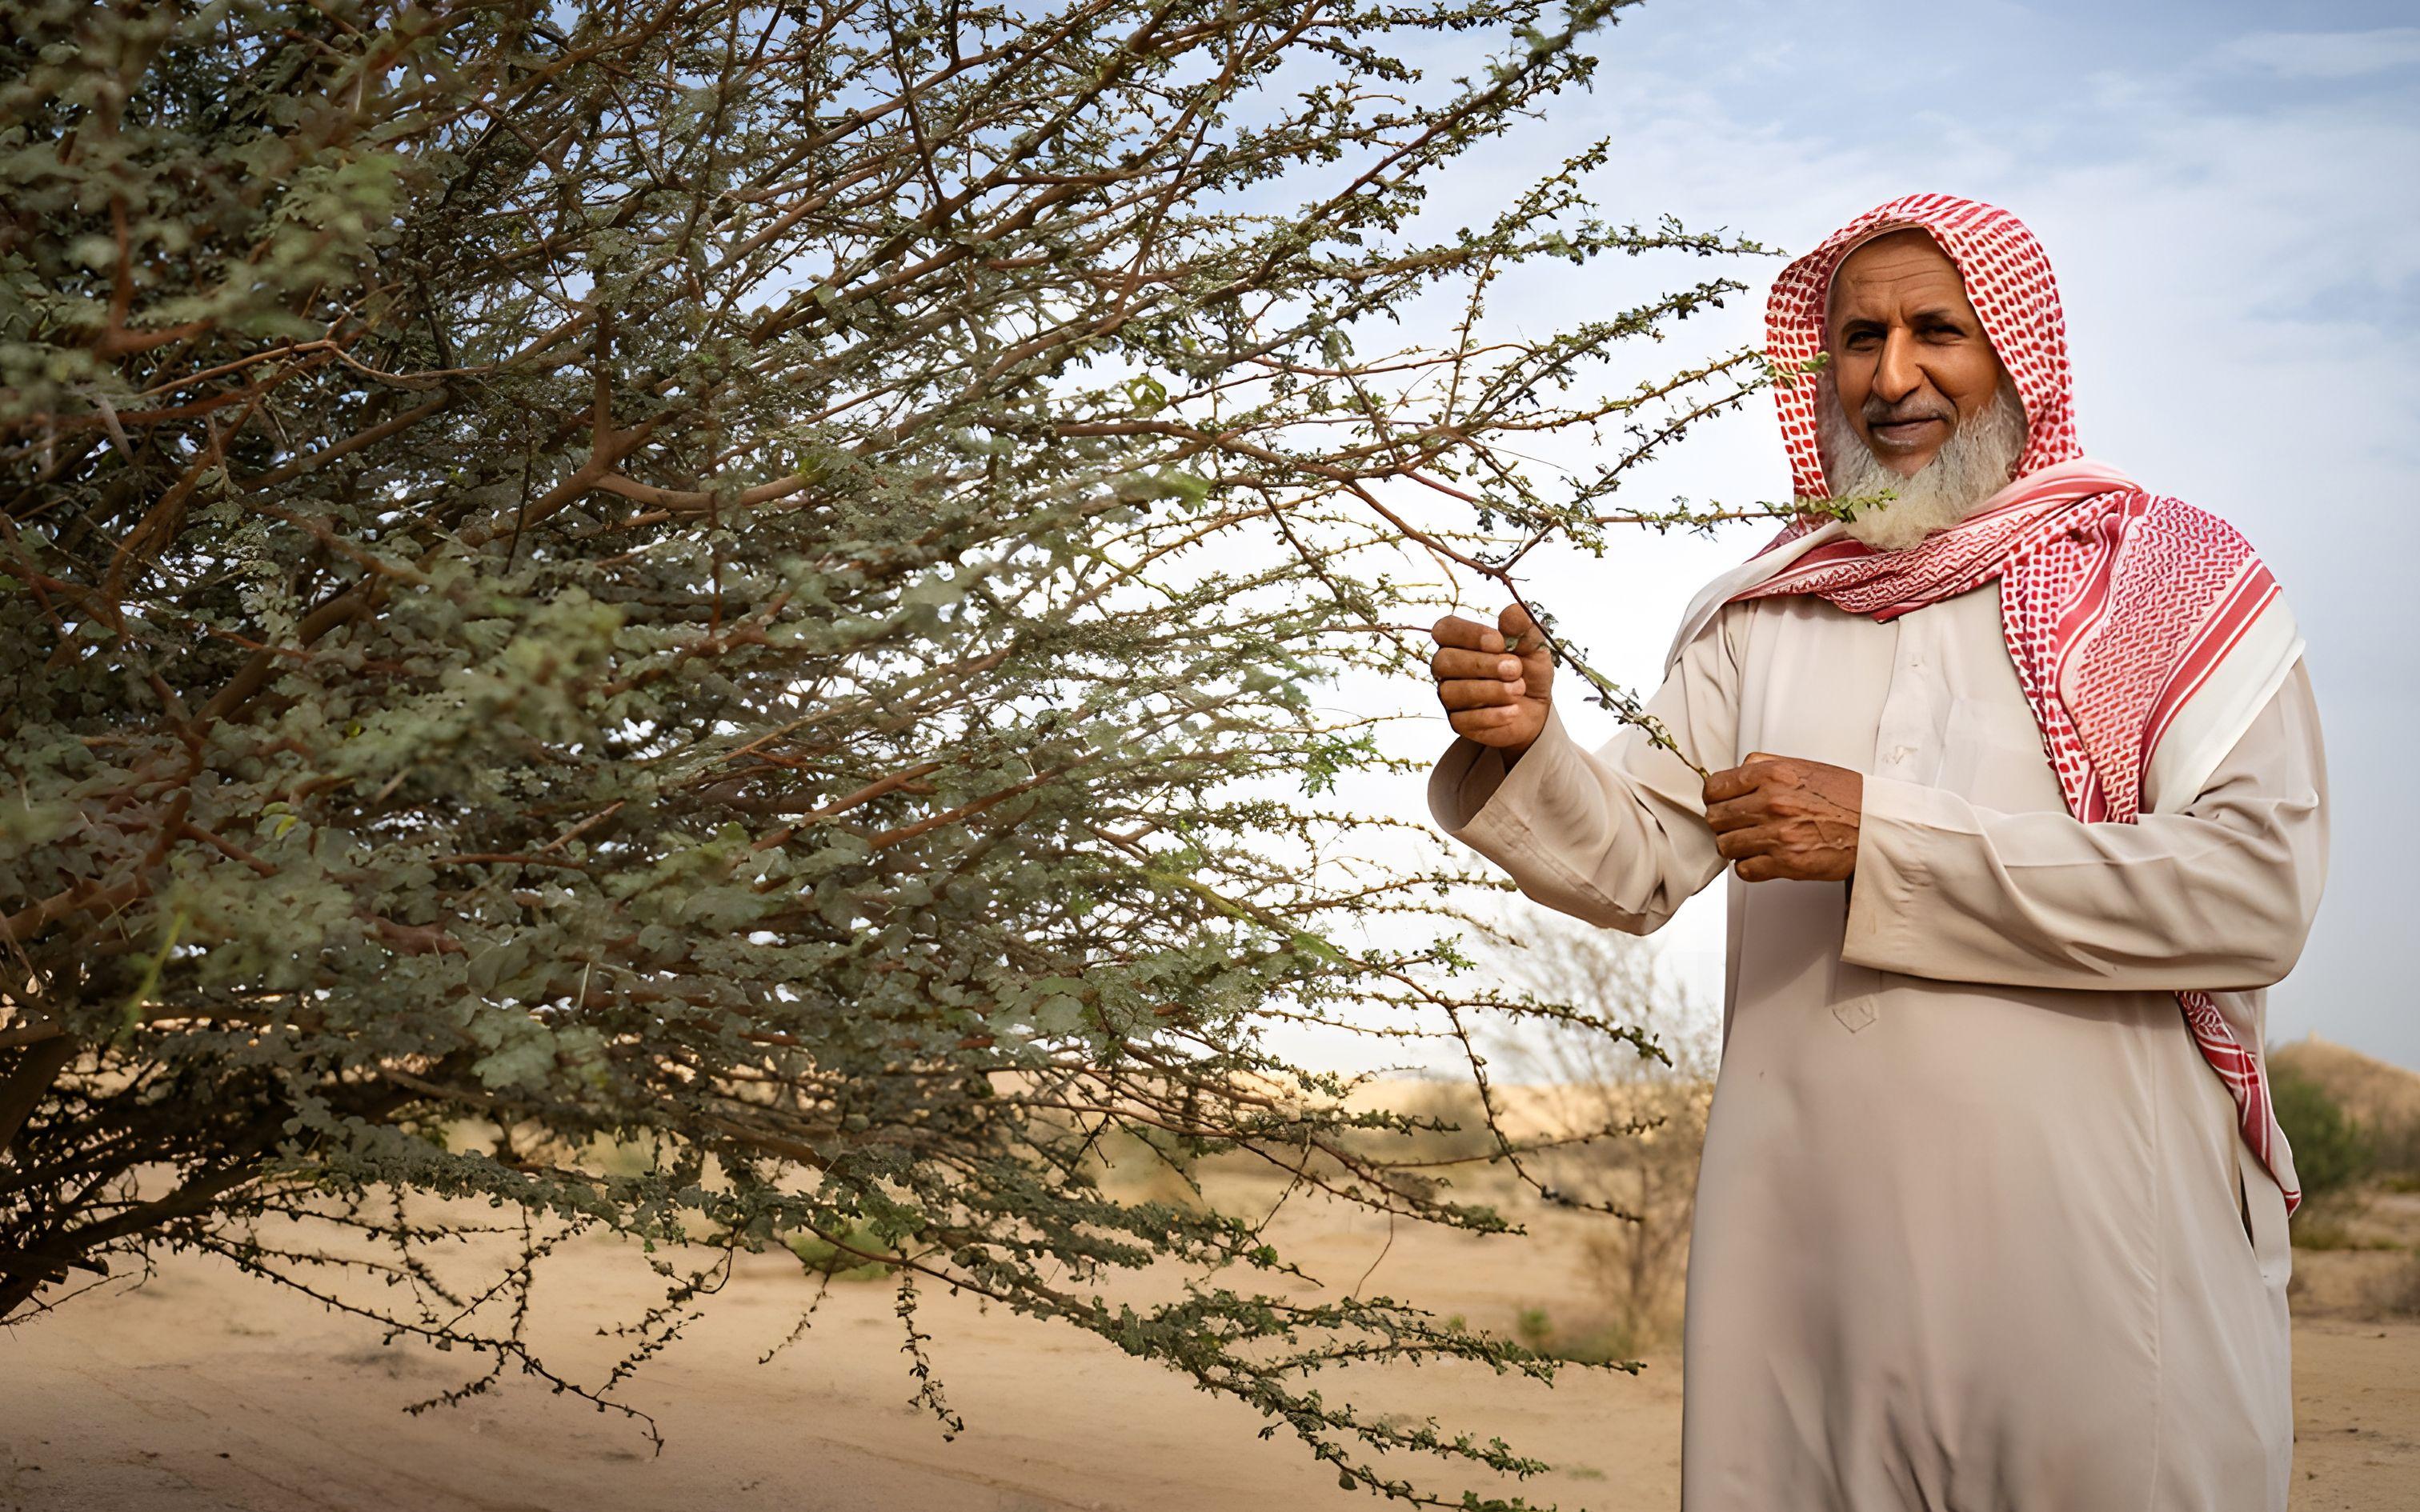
1939	314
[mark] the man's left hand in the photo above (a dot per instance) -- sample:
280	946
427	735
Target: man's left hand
1778	816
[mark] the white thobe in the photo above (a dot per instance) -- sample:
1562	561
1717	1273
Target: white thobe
1975	1227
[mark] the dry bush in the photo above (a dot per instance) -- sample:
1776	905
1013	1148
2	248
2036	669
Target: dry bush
2397	1293
2380	1101
1656	1102
2395	1152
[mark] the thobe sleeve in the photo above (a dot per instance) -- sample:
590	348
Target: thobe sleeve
2218	895
1616	836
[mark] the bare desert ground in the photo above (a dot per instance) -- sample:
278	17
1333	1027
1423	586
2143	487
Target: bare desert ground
200	1391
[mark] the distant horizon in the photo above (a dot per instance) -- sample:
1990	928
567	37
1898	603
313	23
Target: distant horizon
1444	1076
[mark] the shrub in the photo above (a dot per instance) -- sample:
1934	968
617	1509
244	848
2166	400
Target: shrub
2395	1151
634	572
1638	1103
2330	1149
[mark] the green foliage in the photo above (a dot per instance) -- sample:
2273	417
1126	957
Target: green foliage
2395	1151
629	574
1610	1343
842	1264
2331	1150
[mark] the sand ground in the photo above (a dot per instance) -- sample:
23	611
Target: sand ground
204	1391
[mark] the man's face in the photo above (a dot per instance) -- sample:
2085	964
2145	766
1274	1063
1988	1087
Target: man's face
1909	357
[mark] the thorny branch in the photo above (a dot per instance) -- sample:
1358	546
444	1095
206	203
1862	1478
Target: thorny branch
587	599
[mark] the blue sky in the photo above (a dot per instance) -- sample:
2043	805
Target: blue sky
2231	195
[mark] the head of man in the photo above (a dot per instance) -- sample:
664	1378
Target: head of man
1913	399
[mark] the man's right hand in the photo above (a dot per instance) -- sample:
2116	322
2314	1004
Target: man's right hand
1494	696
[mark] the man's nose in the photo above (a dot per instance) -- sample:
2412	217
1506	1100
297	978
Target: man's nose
1897	375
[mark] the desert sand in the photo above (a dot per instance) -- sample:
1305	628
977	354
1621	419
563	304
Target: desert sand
201	1390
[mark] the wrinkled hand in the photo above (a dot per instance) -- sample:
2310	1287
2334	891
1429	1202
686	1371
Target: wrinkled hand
1494	695
1778	816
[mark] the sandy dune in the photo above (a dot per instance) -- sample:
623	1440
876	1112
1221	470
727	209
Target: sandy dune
203	1392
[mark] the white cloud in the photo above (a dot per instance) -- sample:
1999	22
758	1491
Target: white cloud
2241	271
2324	55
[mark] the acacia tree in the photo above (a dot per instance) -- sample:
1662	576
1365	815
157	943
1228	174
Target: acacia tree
629	572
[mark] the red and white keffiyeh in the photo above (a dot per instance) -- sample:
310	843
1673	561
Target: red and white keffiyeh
2146	634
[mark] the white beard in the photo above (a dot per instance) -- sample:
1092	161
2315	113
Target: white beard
1972	466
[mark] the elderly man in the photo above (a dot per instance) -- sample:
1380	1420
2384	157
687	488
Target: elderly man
2021	787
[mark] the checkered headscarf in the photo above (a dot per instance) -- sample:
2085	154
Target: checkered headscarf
2146	634
2008	281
